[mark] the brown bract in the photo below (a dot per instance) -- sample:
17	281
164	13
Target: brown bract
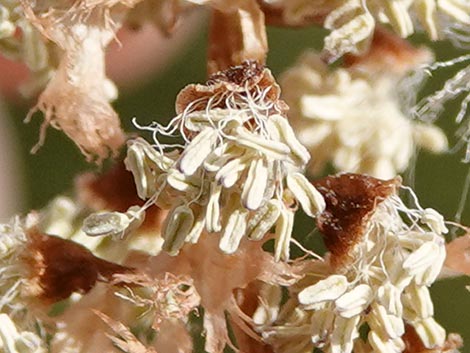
414	344
350	202
388	53
246	79
59	267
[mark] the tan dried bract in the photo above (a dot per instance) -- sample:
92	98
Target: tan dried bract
248	78
350	201
60	267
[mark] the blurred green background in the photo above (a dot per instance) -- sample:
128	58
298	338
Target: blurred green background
439	179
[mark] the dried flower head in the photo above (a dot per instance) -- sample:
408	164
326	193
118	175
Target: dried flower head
381	265
76	100
352	117
239	172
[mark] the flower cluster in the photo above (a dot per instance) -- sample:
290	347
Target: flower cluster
352	117
183	225
383	258
240	170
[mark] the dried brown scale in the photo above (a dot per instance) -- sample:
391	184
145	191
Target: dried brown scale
350	201
114	190
388	53
241	79
60	267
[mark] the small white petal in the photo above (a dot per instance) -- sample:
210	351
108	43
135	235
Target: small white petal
176	228
330	288
385	324
310	199
272	149
182	182
431	333
354	302
389	296
145	163
268	310
263	220
255	185
213	224
434	220
229	174
400	20
283	234
421	259
418	299
198	149
344	333
430	137
233	231
459	10
288	137
385	346
196	230
113	223
221	155
8	334
430	275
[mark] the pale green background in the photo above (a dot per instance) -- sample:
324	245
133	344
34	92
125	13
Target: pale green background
439	179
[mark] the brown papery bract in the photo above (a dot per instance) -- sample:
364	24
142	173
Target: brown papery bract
350	201
250	77
76	100
59	267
